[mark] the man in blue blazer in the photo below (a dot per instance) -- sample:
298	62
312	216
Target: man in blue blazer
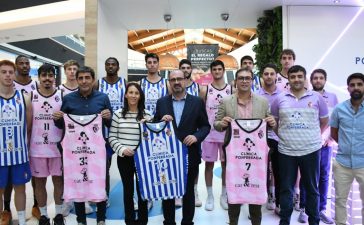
189	118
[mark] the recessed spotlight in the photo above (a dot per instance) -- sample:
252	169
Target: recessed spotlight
336	1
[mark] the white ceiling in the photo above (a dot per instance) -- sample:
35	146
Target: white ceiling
68	16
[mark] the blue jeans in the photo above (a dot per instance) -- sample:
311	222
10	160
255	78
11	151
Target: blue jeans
309	169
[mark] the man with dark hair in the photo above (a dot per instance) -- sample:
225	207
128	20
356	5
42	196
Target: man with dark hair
248	62
270	91
23	81
45	158
188	115
244	104
287	60
192	88
212	145
302	116
347	122
86	101
153	86
318	80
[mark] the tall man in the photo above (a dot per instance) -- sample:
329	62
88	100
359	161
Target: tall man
15	122
270	91
191	124
287	60
70	69
114	86
192	88
243	105
23	81
153	86
318	80
45	159
212	146
302	115
347	122
248	62
86	101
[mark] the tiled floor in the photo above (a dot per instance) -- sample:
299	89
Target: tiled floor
202	217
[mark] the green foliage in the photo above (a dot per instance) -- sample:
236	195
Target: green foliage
269	32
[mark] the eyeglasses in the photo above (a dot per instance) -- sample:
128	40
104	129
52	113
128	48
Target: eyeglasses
177	79
244	78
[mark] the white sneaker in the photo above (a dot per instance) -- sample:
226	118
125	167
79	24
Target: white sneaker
178	202
88	208
67	208
150	205
135	200
223	202
198	202
209	205
271	204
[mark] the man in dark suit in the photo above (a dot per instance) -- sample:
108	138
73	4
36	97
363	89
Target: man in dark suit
189	118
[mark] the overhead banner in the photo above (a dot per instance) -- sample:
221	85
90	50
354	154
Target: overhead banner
201	55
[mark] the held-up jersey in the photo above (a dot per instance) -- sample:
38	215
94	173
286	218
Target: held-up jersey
27	88
115	92
213	99
246	153
161	162
13	130
152	92
84	158
45	135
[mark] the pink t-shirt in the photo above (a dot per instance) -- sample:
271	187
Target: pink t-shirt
246	162
45	135
84	159
213	99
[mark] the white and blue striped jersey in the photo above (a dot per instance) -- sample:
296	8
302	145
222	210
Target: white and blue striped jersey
13	130
115	92
152	92
193	89
161	162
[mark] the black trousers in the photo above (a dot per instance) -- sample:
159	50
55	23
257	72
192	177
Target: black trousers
188	202
273	155
81	215
127	170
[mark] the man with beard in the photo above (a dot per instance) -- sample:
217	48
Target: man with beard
302	116
189	117
347	122
192	88
318	80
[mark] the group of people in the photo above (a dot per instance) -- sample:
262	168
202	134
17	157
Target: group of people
59	131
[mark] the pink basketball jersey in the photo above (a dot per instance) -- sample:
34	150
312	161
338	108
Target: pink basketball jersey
66	90
213	99
84	159
282	83
246	162
45	135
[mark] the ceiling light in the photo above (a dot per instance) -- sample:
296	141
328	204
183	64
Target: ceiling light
336	1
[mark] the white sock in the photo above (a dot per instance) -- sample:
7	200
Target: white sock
223	191
271	190
43	211
195	187
21	217
58	209
209	191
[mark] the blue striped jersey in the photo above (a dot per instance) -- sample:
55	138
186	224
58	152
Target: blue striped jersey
115	92
161	162
193	89
152	92
13	130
